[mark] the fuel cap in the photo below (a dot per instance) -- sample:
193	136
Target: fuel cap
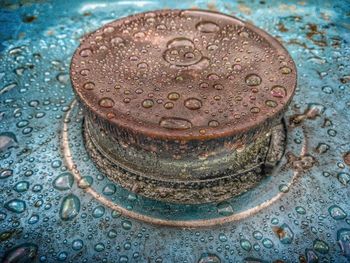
184	106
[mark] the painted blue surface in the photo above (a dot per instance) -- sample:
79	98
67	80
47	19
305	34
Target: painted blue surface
37	40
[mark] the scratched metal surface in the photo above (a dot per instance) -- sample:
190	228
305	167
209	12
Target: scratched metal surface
56	206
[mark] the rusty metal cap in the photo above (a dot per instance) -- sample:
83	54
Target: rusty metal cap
183	74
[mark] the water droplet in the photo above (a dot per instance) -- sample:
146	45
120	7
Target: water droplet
285	70
7	141
283	188
6	173
254	110
267	243
63	181
193	104
147	103
143	66
33	219
278	91
218	87
77	244
225	209
344	178
320	246
271	103
106	103
16	206
311	256
99	247
117	41
70	207
85	52
207	27
161	27
209	258
109	189
89	86
343	237
300	210
26	252
173	96
85	182
222	237
126	225
169	105
98	212
174	123
257	235
253	80
337	212
213	123
204	85
245	244
21	186
112	233
284	233
108	29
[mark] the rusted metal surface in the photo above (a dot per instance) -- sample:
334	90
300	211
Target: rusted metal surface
182	102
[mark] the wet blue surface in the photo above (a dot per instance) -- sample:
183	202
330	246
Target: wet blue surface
47	214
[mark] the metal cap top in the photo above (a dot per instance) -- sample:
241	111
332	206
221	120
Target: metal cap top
183	74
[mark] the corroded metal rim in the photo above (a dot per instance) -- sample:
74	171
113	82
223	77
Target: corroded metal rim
189	191
69	160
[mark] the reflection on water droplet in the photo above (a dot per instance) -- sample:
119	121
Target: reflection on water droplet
106	103
193	104
207	27
174	123
253	80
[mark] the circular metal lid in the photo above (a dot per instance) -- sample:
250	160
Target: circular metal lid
183	74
